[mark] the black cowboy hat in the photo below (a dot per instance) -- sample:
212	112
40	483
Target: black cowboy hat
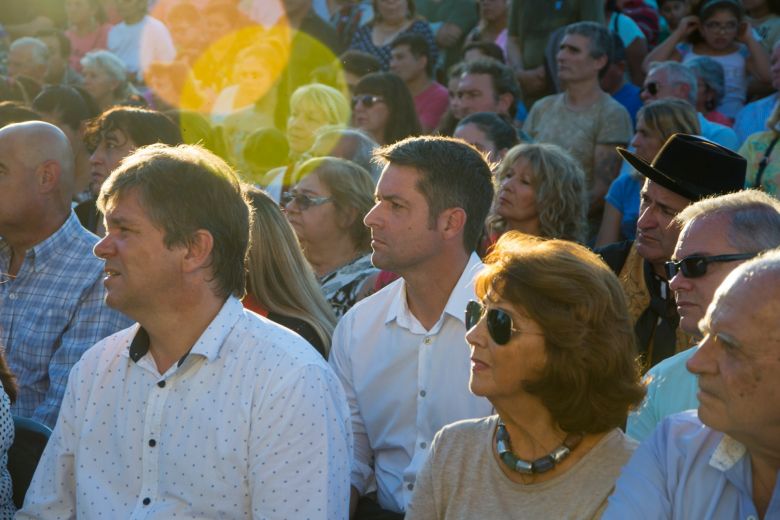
693	167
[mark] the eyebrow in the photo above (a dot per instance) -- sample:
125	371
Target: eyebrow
389	198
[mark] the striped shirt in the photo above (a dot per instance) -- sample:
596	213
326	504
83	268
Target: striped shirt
50	313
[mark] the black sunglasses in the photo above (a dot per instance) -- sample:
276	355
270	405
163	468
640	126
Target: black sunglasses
499	323
695	266
368	100
651	87
302	200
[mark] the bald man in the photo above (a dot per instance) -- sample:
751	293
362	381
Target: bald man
51	290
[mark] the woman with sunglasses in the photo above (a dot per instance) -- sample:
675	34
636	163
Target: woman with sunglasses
326	209
280	283
552	348
655	123
383	108
720	32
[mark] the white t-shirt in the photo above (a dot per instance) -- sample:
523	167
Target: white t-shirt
140	44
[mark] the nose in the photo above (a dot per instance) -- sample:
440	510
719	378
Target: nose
702	362
476	336
372	218
646	219
104	248
645	96
679	282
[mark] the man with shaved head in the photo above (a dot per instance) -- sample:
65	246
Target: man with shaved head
51	290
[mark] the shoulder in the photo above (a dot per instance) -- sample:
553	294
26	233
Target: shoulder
102	355
614	255
464	435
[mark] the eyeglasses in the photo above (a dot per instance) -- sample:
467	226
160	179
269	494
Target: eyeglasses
368	100
499	323
652	87
727	27
302	200
695	266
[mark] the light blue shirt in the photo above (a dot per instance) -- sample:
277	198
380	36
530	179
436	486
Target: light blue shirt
670	389
752	118
686	470
718	133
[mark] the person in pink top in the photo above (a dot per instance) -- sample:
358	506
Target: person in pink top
410	59
87	30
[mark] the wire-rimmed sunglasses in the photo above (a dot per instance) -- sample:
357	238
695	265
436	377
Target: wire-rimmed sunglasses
302	200
695	266
367	100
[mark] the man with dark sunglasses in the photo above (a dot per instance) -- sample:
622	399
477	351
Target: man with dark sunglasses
686	169
401	353
718	234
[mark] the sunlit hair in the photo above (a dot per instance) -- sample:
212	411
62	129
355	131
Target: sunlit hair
39	51
754	218
402	120
677	74
141	125
114	67
670	116
351	188
185	189
592	376
278	276
322	99
559	186
452	174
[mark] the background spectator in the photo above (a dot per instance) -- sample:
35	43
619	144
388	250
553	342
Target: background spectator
87	29
710	88
383	108
489	133
491	27
28	57
60	72
763	165
105	79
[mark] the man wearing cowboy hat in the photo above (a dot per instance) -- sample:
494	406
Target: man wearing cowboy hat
687	168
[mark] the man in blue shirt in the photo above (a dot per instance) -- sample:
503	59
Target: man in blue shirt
725	462
51	290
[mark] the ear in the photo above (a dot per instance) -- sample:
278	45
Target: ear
601	63
198	251
451	222
48	175
504	102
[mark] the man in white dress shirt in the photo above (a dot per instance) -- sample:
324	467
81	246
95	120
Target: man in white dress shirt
401	353
201	409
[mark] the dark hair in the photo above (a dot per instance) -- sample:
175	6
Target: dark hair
418	46
410	6
489	49
266	148
453	174
16	112
592	375
359	63
195	128
402	121
708	8
66	102
495	127
502	77
184	189
618	49
63	40
142	125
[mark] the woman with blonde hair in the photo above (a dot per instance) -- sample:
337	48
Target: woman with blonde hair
280	283
542	191
553	350
326	209
312	107
655	123
763	160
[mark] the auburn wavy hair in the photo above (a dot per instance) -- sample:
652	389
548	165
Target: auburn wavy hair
592	376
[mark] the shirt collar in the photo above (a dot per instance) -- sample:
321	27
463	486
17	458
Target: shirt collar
727	453
461	293
47	249
209	343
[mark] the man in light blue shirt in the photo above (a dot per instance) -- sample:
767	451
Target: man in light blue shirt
752	118
670	79
745	223
723	463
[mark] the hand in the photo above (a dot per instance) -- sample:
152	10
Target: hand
448	35
744	33
687	25
533	81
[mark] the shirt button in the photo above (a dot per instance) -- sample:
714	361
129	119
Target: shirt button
161	384
423	444
751	517
422	393
410	486
12	296
147	501
427	340
152	443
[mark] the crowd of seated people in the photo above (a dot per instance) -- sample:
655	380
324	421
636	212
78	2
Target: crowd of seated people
382	258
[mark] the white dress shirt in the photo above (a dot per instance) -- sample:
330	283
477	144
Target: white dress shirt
252	423
403	384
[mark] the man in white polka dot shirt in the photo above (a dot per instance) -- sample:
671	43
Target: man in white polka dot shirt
201	409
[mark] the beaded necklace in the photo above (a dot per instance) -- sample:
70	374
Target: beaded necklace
540	465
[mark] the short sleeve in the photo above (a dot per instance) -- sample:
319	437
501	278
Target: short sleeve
615	127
